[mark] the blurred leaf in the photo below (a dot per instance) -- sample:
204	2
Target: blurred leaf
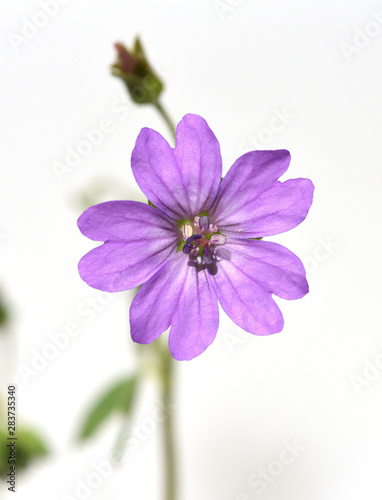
117	399
30	446
3	314
4	467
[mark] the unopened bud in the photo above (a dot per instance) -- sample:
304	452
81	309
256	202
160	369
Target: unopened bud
133	68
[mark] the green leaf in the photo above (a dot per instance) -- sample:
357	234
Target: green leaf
3	314
29	447
3	454
117	399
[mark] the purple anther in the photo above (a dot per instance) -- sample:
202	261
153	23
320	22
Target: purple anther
193	238
204	223
207	255
187	248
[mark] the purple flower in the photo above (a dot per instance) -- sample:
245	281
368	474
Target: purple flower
199	246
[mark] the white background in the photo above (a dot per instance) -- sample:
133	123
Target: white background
246	396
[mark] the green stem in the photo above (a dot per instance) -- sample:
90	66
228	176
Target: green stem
167	381
166	117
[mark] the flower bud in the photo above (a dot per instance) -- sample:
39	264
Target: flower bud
132	67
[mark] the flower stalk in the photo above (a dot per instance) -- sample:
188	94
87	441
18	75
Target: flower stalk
168	429
161	110
167	364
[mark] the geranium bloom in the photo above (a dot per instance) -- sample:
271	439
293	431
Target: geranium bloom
198	245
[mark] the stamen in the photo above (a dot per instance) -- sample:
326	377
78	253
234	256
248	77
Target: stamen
193	238
187	248
201	240
207	255
204	223
217	239
186	231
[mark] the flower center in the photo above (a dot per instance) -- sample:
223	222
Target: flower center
201	239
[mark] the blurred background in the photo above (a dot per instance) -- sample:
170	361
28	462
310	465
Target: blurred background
295	415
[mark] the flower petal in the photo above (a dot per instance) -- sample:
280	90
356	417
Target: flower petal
182	182
180	296
198	156
280	208
154	305
124	220
139	240
246	303
272	266
250	175
196	319
248	273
